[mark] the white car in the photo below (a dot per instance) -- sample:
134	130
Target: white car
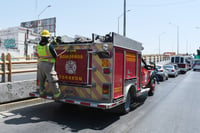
172	69
196	65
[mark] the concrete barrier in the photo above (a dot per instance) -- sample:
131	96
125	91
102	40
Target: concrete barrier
18	90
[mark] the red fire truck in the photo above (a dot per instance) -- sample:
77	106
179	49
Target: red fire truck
104	72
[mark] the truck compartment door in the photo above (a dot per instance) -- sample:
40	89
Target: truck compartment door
130	65
139	71
118	73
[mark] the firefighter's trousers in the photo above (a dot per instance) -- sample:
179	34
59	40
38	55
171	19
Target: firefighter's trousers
46	71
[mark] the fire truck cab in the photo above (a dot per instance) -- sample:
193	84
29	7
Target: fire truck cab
105	72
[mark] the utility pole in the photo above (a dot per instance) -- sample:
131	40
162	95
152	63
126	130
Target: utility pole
159	41
124	18
26	43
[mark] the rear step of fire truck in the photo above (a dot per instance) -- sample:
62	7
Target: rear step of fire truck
80	102
140	97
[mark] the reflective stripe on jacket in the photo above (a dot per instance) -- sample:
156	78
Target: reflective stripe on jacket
45	54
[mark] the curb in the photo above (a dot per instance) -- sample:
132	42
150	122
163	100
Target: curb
21	104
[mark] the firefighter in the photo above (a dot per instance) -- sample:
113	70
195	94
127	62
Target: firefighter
155	70
46	66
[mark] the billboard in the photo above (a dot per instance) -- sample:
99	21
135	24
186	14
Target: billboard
38	25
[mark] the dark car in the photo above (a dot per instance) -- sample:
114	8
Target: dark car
196	65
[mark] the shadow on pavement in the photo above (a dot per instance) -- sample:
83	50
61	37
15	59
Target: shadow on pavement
73	117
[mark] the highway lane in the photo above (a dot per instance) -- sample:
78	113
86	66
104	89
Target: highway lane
173	109
24	76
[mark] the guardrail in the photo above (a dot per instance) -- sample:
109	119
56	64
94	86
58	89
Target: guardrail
156	58
11	65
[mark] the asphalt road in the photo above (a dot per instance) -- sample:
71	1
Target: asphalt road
24	76
174	108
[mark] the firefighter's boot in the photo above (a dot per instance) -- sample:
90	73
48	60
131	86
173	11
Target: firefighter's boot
42	92
57	95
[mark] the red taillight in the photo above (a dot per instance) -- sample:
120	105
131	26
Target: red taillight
106	70
101	106
172	70
106	88
160	70
37	82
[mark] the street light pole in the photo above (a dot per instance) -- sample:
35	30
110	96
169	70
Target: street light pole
43	11
159	41
118	18
124	33
39	16
177	37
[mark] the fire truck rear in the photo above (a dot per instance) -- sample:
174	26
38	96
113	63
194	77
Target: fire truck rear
104	72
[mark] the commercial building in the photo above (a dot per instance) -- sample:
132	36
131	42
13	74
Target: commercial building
16	41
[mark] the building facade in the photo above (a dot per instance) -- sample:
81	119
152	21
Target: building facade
16	41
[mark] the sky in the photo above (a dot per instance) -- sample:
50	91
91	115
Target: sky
154	23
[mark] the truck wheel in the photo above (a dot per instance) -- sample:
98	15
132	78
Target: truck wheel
125	107
152	88
127	104
163	78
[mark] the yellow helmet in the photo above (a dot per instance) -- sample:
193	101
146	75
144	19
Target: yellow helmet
45	33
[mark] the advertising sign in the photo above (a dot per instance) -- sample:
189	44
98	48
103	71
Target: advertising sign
38	25
71	66
9	39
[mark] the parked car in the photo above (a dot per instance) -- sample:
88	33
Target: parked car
162	73
172	69
196	65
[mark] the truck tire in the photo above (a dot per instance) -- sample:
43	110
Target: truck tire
152	88
125	107
163	78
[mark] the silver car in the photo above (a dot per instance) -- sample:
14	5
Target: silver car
196	65
162	73
172	69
